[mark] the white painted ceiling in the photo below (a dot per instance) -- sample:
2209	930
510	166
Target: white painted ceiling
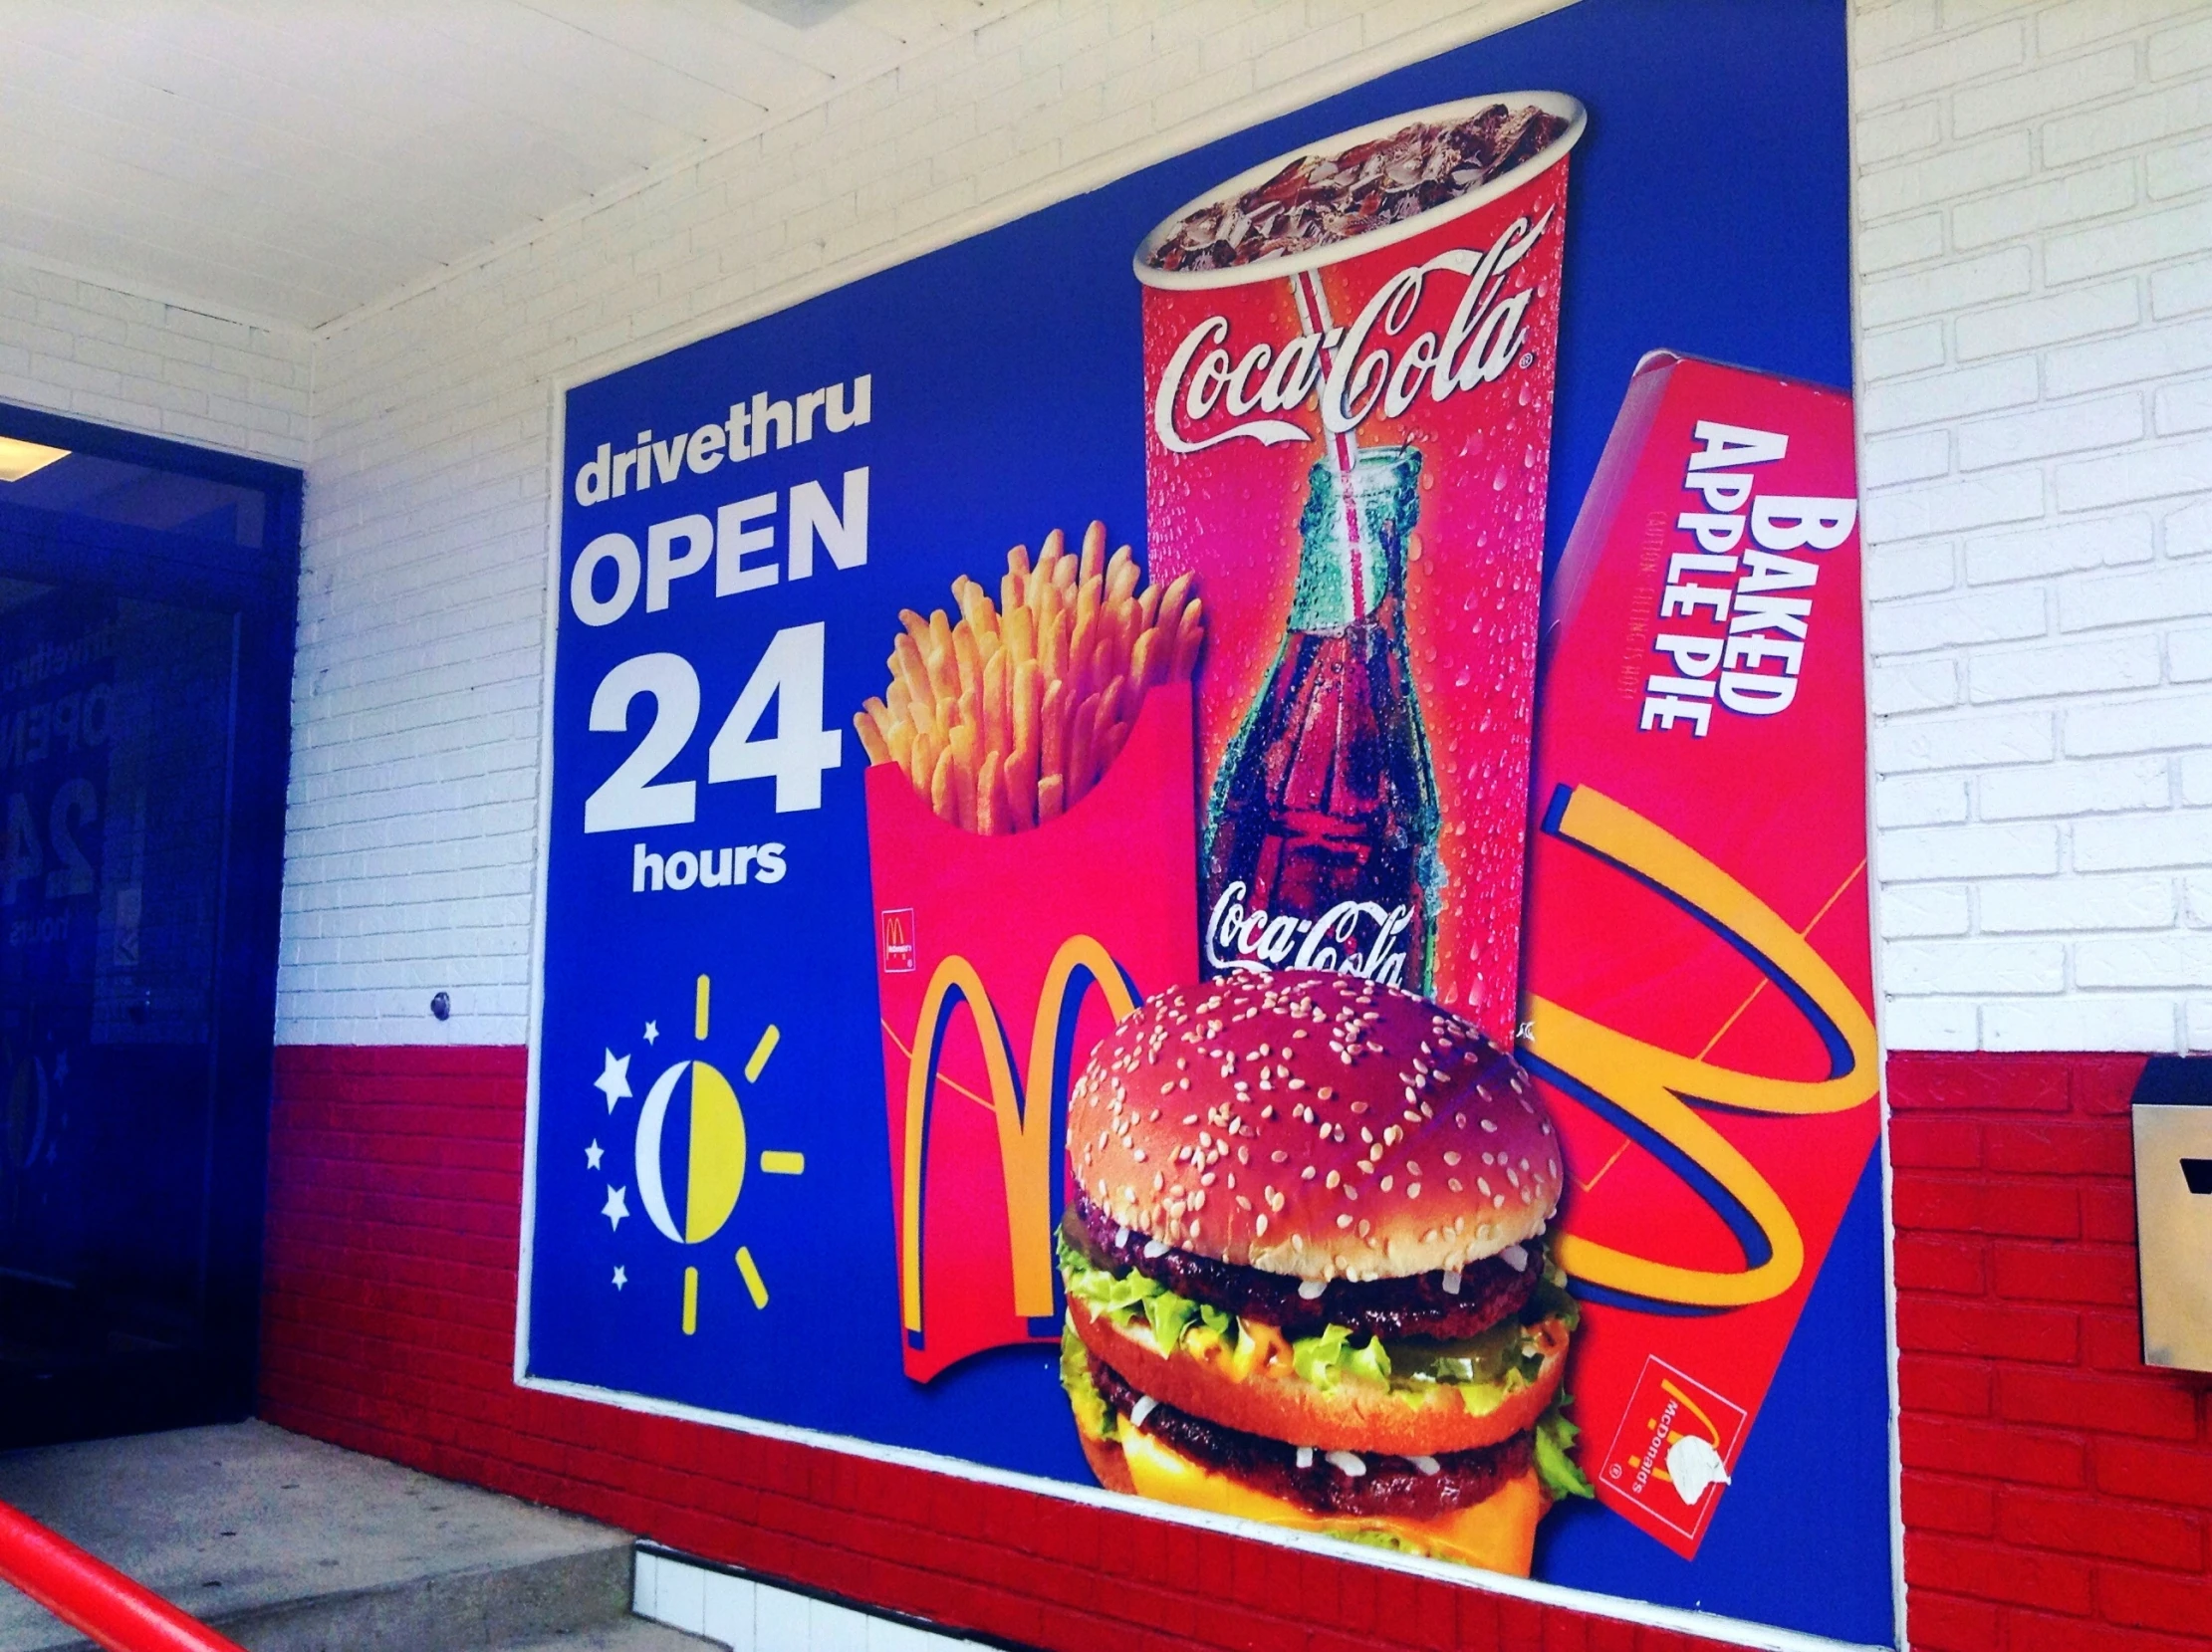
295	159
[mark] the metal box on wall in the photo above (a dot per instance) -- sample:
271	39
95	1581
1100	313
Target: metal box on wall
2174	1226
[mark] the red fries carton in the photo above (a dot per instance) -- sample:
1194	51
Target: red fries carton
1699	982
1001	960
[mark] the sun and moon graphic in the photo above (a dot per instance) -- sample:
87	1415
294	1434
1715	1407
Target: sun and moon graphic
711	1120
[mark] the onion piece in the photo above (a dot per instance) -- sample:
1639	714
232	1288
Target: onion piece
1451	1282
1141	1409
1305	1457
1120	1236
1427	1465
1349	1463
1311	1289
1515	1259
1155	1249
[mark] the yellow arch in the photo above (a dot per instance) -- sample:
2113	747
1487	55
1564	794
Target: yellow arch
1025	1143
1025	1133
953	974
1649	1084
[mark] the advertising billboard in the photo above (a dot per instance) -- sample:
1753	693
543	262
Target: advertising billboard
1208	850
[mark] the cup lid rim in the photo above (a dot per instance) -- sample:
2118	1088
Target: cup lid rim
1274	269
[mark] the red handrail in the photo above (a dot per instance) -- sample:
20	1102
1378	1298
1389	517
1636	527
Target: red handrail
91	1596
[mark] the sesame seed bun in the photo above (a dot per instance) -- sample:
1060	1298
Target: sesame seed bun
1498	1533
1107	1462
1274	1401
1313	1126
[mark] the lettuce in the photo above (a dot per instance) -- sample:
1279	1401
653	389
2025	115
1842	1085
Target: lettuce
1554	1443
1125	1298
1322	1360
1118	1298
1315	1359
1371	1360
1214	1329
1169	1316
1094	1417
1373	1538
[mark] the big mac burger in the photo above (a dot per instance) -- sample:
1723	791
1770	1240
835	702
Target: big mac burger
1306	1268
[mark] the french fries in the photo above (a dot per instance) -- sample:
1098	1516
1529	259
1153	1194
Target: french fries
1004	715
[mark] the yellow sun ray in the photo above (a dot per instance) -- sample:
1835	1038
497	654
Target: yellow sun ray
761	1051
753	1282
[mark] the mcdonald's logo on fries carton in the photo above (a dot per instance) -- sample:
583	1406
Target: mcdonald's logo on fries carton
899	941
1671	1452
1004	959
1699	972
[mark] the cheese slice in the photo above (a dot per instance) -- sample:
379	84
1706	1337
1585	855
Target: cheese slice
1498	1533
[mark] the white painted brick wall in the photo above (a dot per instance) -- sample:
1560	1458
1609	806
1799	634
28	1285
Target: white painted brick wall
2033	188
71	345
2034	203
411	850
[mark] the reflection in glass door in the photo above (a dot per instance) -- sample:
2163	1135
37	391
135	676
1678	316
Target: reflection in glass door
135	946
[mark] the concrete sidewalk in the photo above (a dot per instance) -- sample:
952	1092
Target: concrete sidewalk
288	1544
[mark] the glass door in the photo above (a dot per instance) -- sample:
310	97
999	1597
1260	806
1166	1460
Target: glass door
142	627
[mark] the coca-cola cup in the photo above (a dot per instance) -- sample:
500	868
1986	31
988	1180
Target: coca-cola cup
1348	359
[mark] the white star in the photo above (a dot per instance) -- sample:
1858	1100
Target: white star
620	1278
613	1082
591	1156
616	1206
652	1032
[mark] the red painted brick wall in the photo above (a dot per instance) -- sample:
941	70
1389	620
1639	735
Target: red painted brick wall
2057	1494
394	1193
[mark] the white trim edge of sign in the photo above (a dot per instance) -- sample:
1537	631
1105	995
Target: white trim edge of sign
1710	1626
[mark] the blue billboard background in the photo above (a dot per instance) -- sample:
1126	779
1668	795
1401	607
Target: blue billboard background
1708	214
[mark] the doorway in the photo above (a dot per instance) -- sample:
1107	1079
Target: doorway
146	594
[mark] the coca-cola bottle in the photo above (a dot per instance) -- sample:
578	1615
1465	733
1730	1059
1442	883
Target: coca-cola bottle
1320	833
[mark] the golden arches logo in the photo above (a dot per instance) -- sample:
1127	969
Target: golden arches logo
1023	1110
1657	1087
1665	1438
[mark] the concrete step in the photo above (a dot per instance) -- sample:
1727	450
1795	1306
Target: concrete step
633	1634
292	1546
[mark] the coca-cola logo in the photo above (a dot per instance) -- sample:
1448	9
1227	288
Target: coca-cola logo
1353	937
1379	362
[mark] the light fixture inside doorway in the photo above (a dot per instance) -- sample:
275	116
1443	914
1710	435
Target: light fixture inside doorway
19	459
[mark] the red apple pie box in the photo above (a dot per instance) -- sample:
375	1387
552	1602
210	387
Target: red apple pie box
1001	961
1700	987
